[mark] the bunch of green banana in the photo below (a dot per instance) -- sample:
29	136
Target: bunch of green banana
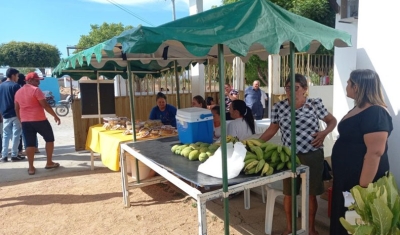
266	157
253	142
233	139
278	156
195	151
253	165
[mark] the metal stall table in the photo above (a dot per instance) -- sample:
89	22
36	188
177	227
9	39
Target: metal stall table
183	173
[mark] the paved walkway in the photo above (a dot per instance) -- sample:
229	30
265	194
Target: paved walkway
64	153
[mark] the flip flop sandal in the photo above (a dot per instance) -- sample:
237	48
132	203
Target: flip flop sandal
32	173
55	165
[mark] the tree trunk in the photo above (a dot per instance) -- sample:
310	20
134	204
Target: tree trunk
262	75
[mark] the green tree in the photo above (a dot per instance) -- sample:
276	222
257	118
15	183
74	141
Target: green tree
256	69
29	54
317	10
100	34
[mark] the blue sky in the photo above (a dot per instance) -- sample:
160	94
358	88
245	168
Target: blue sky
61	23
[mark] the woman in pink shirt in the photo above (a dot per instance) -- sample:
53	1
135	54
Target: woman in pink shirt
30	103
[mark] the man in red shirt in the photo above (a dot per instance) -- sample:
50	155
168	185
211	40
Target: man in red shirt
30	103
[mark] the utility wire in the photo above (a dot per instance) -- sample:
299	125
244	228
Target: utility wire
129	11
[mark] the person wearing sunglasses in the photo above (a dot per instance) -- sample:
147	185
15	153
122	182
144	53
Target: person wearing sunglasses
309	138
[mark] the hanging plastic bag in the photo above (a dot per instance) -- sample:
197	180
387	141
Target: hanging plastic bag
235	161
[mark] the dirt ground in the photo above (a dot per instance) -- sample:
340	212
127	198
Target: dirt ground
66	201
91	203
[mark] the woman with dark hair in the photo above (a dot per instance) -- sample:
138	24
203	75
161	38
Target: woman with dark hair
163	111
309	138
199	102
243	124
21	79
210	101
217	121
362	147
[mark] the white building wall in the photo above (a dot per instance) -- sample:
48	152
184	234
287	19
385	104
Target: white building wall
378	29
374	47
325	93
345	62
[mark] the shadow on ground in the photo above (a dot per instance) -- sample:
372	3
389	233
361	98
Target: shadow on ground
161	194
43	174
252	221
48	199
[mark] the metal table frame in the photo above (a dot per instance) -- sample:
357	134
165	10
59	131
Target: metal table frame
202	198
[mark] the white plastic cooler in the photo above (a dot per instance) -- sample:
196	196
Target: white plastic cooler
195	125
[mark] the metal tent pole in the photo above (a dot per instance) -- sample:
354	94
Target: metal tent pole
221	63
132	100
178	98
293	136
173	9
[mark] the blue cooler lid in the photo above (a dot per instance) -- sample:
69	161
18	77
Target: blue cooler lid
194	114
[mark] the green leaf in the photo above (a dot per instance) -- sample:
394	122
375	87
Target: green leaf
350	228
364	230
396	212
391	187
363	198
356	192
383	195
382	216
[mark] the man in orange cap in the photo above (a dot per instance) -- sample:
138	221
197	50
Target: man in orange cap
30	103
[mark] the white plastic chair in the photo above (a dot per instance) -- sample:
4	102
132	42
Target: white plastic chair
274	190
246	193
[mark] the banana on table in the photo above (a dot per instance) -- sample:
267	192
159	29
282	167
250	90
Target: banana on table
266	157
262	157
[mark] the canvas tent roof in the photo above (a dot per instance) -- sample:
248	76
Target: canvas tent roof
245	28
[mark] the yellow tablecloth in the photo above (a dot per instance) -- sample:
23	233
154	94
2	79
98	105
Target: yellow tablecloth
106	143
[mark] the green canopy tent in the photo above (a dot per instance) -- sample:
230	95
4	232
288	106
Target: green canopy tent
95	61
78	66
109	68
240	29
